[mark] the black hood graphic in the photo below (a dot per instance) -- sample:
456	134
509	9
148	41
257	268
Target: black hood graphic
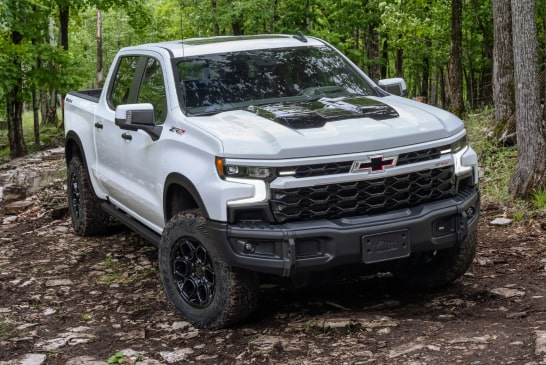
316	113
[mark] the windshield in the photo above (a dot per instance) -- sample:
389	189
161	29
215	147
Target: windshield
227	81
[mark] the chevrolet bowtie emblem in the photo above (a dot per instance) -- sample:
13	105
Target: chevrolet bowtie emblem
374	164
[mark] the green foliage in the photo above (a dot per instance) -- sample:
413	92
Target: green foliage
50	136
7	329
539	199
117	358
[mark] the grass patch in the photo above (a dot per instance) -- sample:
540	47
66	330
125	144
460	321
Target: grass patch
50	136
539	199
7	330
497	162
497	165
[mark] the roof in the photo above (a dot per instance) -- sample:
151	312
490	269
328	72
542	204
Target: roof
210	45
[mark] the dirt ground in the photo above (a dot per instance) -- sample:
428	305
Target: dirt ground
65	299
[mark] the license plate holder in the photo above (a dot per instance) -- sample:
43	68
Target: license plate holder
385	246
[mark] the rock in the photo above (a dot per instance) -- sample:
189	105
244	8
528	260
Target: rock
34	359
501	222
58	282
540	343
176	356
17	207
9	220
508	292
12	192
87	360
405	349
29	359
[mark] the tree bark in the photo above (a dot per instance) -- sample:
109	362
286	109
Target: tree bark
503	71
49	116
64	14
100	81
36	116
372	52
399	61
530	173
215	25
455	75
14	108
384	58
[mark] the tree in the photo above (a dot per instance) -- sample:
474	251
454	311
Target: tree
16	20
530	173
455	74
503	71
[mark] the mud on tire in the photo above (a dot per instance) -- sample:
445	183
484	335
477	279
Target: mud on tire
429	270
88	218
197	281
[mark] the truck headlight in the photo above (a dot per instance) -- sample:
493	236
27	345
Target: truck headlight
456	146
242	172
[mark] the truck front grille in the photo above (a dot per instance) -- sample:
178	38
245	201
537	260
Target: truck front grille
350	199
344	167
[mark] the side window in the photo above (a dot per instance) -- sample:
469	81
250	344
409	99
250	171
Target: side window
152	89
121	89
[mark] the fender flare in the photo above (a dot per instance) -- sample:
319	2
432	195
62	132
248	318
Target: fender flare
185	183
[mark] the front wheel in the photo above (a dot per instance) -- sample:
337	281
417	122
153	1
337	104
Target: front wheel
429	270
197	281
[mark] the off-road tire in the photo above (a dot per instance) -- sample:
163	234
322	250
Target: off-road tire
428	270
88	218
197	281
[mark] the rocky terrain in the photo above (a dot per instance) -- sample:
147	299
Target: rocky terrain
65	299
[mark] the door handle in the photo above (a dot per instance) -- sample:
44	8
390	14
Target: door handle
98	125
127	136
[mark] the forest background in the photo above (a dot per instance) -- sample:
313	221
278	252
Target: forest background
461	55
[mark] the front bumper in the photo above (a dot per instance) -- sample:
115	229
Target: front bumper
290	248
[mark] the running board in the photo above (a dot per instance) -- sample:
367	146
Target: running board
133	224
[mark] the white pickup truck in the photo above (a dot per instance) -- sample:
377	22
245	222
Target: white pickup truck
257	157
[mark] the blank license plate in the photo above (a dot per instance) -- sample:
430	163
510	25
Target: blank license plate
385	246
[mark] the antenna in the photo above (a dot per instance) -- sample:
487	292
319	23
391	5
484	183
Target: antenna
300	37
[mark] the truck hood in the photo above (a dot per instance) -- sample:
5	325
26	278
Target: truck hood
328	127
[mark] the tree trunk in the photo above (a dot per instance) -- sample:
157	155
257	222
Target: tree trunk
372	52
36	115
384	58
426	74
100	81
530	173
399	62
14	108
64	14
483	84
215	26
454	72
49	106
503	71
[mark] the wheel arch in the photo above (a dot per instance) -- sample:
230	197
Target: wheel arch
73	147
180	194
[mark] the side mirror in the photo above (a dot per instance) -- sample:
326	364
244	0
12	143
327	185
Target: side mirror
395	86
138	116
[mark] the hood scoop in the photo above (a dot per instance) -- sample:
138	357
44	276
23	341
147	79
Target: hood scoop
315	114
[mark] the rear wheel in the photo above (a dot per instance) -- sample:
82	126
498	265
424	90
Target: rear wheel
197	281
88	218
429	270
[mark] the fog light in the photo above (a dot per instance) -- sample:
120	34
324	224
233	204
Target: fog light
247	246
470	212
